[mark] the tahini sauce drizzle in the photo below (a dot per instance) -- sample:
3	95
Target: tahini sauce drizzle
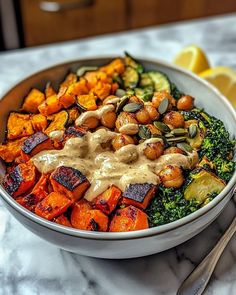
93	156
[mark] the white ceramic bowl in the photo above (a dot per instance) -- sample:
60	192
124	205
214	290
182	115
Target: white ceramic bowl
127	244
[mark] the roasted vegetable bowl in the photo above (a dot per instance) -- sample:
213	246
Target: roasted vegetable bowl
121	149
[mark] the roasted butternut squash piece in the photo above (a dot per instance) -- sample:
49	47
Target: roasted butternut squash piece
129	219
108	200
11	150
87	102
32	101
63	220
116	66
36	143
39	192
70	79
39	122
70	182
20	179
49	90
102	90
53	205
19	125
85	218
50	106
139	195
73	115
59	122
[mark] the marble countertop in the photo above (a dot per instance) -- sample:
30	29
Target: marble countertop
29	265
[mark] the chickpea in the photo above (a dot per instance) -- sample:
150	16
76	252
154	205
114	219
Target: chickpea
109	119
91	123
143	116
173	150
185	103
159	96
108	98
125	118
153	113
121	140
135	99
154	150
174	118
171	176
153	129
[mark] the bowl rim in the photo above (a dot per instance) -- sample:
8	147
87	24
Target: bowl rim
157	230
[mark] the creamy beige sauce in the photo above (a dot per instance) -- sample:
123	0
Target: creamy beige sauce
57	134
92	155
94	114
130	128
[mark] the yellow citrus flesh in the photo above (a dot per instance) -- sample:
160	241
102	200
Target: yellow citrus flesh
193	59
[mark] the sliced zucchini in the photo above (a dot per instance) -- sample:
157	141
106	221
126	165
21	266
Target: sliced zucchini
145	80
160	80
117	79
131	62
202	184
144	93
130	77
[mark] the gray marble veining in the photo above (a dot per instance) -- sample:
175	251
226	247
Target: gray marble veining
31	266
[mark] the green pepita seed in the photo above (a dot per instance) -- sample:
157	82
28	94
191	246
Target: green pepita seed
184	147
144	132
163	106
192	130
179	131
122	103
81	71
162	137
168	135
176	139
161	126
132	107
120	92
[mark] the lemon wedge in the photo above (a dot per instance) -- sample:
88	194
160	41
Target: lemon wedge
193	59
224	79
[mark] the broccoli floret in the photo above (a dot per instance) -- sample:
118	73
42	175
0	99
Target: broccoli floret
169	205
224	168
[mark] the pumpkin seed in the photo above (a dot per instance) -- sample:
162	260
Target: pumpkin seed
192	130
163	106
122	103
144	132
132	107
120	92
179	131
168	135
176	139
161	126
162	137
81	71
184	147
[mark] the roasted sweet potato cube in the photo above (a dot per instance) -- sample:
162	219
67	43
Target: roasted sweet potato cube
59	122
69	181
11	150
20	179
139	195
49	90
39	192
19	125
116	66
129	219
39	122
86	218
50	106
108	200
63	220
32	101
53	205
70	79
36	143
87	102
102	90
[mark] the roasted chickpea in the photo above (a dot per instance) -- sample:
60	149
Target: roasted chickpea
91	123
159	96
143	116
125	118
135	99
185	103
109	119
173	150
153	113
153	129
174	118
171	176
154	150
121	140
